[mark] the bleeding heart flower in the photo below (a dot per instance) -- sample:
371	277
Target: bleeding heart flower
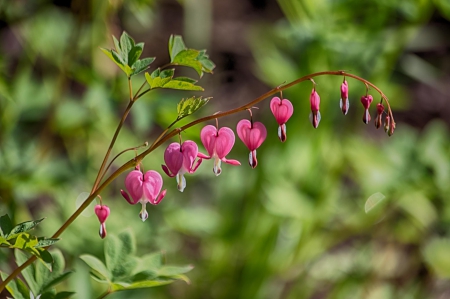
180	160
314	116
366	101
344	103
218	144
144	188
282	110
102	213
253	135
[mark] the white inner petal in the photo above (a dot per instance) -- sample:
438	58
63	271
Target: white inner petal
181	182
216	169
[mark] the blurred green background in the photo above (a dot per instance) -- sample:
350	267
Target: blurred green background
294	227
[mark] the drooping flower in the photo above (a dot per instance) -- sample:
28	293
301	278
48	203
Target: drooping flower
180	160
378	120
253	135
366	101
218	143
102	213
344	103
282	110
143	188
314	116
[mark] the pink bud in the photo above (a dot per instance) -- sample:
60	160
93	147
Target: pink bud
344	103
143	188
366	101
180	160
378	120
391	128
102	213
314	116
252	135
282	110
218	144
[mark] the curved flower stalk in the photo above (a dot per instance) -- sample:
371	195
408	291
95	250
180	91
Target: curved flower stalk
218	143
143	188
282	109
181	160
245	129
252	135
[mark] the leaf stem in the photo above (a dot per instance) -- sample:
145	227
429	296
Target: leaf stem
166	136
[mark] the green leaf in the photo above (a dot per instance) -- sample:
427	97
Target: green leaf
117	59
97	266
46	279
117	46
188	58
6	225
44	256
25	241
373	201
4	241
58	279
207	64
186	79
188	106
174	270
182	85
43	242
126	44
28	272
16	287
121	286
158	79
64	295
23	227
135	53
141	65
118	254
176	45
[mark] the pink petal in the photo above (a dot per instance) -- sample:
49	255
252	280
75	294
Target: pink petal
231	162
282	110
102	212
203	156
189	149
127	197
133	183
243	131
208	136
152	185
315	101
160	197
252	137
173	158
224	142
257	135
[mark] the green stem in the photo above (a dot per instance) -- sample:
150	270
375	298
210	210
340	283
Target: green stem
164	137
106	293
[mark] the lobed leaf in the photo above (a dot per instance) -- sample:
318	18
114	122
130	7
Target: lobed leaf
23	227
141	65
25	241
97	266
182	85
135	53
176	45
188	106
44	242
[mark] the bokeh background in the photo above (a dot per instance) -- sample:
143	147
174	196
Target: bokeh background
294	227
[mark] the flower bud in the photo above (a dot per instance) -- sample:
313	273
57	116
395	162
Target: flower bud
378	120
102	213
344	103
366	101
